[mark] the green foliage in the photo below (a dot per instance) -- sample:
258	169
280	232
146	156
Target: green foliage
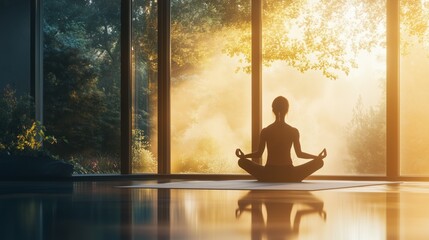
15	113
81	68
145	39
20	133
95	164
32	138
143	159
73	102
325	35
82	77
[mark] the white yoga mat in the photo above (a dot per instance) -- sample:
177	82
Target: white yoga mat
307	185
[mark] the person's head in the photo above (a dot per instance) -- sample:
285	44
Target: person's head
280	107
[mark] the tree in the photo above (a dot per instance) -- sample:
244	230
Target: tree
414	24
16	114
366	139
322	35
73	103
81	83
367	130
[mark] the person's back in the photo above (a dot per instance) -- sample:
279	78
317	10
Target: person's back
279	137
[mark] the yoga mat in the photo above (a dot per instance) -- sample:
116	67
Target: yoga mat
307	185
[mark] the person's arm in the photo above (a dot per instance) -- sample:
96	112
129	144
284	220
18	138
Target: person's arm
304	155
258	153
300	213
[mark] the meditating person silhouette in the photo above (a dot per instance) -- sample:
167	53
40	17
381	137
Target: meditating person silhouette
279	138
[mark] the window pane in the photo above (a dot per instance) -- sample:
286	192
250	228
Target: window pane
145	96
15	45
82	82
16	105
328	59
414	85
210	85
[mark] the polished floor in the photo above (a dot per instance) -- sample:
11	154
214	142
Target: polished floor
99	210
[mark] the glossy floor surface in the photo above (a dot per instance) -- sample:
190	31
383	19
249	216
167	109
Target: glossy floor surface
99	210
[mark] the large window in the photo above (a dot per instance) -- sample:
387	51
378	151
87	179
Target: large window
81	68
414	87
210	85
329	59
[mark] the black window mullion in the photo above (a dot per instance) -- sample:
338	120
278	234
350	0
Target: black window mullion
164	62
36	64
126	124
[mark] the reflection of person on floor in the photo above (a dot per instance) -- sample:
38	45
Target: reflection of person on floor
279	138
279	205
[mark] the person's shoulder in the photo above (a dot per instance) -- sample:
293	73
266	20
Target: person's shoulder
290	126
292	129
269	127
265	129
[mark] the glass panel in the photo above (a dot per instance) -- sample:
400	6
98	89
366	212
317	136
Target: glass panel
144	84
328	59
17	108
15	45
413	94
82	82
210	85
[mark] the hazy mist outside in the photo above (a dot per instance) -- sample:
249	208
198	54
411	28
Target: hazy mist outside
414	63
323	109
210	118
210	106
